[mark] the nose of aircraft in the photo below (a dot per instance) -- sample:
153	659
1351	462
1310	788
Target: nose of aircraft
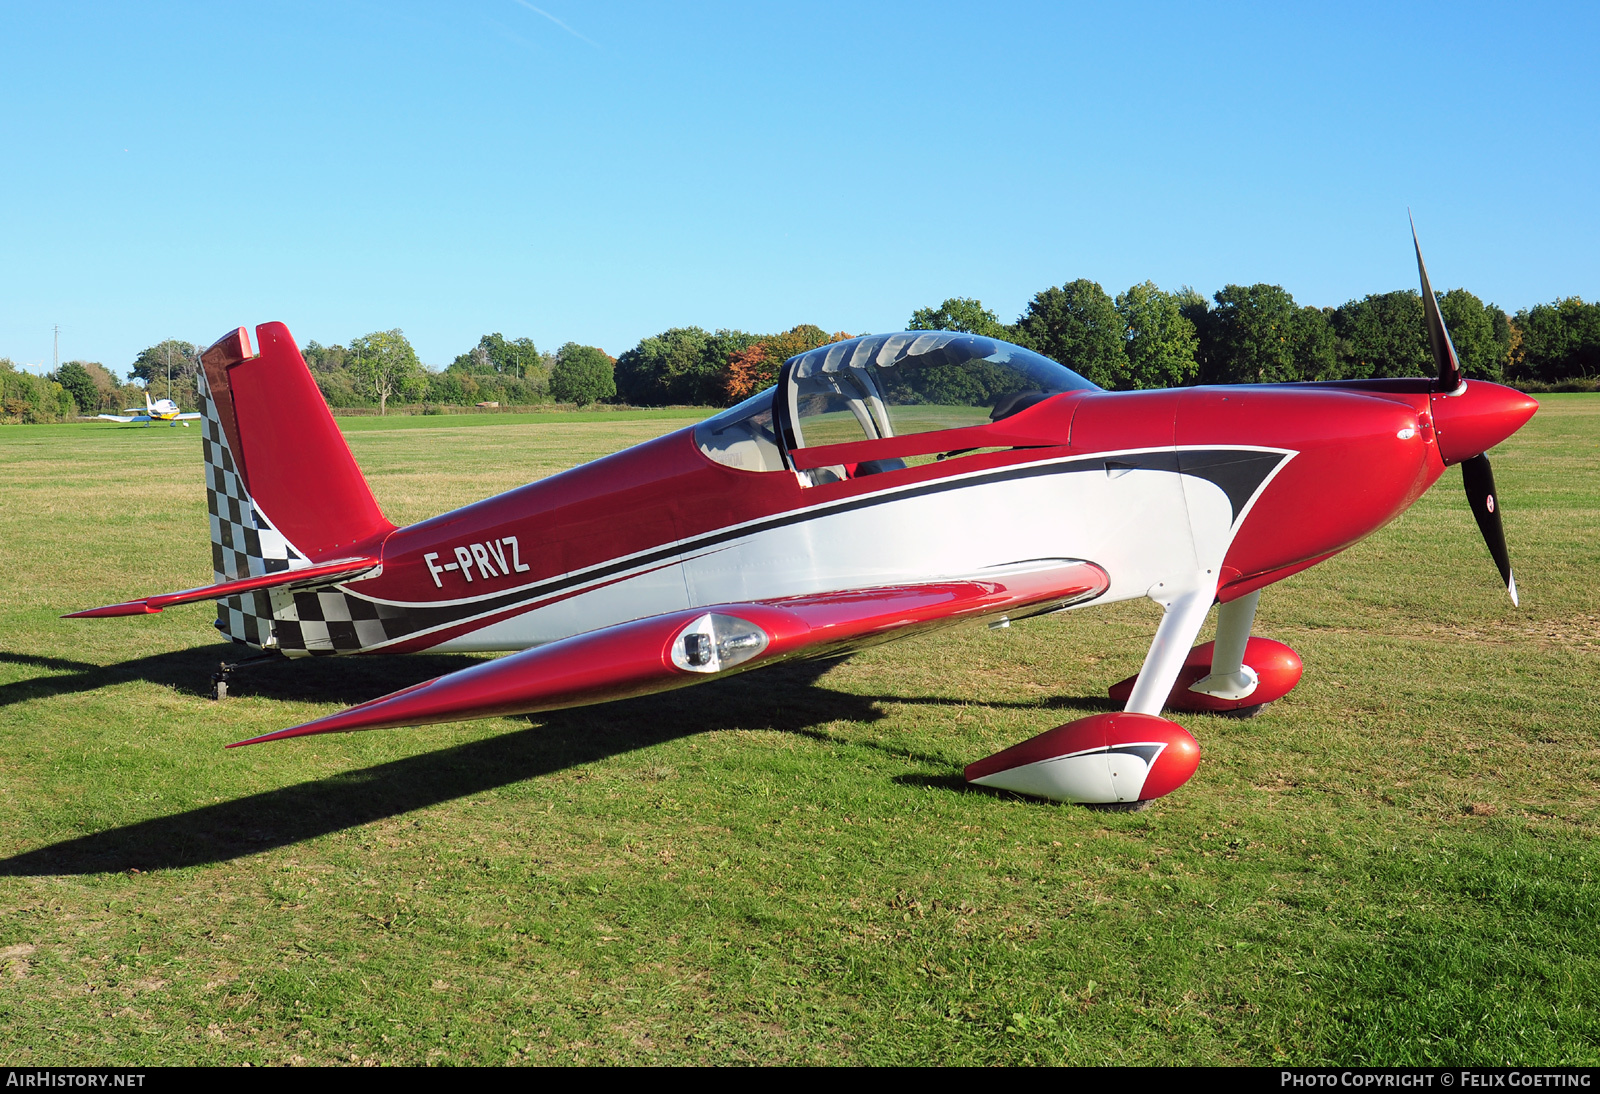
1477	419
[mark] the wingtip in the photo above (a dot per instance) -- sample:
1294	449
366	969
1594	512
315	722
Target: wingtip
376	714
132	607
1511	587
279	735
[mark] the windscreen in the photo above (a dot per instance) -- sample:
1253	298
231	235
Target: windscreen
743	436
889	385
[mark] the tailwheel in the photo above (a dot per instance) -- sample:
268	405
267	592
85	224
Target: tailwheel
225	670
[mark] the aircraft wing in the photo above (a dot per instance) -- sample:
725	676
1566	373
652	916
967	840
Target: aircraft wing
193	415
670	651
325	573
125	418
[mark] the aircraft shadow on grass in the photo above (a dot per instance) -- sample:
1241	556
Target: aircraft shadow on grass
786	698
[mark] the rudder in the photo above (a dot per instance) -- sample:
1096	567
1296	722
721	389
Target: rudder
282	488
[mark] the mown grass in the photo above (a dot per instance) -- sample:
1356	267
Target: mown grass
1395	864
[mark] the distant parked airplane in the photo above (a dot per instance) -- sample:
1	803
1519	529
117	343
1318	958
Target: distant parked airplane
162	410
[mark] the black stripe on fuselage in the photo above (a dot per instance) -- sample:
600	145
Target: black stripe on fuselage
1239	473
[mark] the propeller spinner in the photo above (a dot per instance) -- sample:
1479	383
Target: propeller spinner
1470	419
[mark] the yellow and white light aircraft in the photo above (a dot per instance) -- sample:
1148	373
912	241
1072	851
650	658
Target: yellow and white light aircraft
162	410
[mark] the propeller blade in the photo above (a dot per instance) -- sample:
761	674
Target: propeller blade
1444	350
1478	478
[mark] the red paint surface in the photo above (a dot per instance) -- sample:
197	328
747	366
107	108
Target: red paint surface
1478	419
1107	421
298	468
1352	471
1351	474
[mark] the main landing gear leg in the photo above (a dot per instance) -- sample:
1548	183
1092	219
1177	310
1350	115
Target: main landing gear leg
1186	613
1230	677
224	674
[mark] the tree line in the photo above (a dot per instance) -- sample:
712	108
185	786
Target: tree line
381	366
1148	338
371	371
1142	338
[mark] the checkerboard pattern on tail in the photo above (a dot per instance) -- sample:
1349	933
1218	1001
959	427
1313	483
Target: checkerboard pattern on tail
244	543
322	621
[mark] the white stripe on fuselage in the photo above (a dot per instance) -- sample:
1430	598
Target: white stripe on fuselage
1142	526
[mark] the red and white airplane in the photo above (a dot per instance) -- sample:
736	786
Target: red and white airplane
886	485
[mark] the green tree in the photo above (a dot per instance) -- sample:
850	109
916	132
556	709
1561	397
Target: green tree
77	382
798	339
152	365
1078	326
452	386
332	367
960	313
518	358
103	392
1253	334
320	358
1480	341
582	375
1196	308
671	367
1383	335
1316	346
27	398
1160	342
386	366
1559	340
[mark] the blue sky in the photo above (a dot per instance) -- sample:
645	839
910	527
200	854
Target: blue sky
600	172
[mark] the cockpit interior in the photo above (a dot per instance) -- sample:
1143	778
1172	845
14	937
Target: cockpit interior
877	387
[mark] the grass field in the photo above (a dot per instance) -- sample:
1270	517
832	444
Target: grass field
1395	864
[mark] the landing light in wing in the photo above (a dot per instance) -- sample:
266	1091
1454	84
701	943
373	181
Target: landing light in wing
715	642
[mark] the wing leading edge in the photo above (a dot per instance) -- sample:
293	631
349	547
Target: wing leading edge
680	648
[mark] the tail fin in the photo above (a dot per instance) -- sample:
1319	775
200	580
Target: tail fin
281	485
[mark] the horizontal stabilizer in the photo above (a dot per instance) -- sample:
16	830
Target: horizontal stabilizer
322	574
686	647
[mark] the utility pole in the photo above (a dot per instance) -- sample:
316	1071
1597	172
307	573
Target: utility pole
169	369
55	356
